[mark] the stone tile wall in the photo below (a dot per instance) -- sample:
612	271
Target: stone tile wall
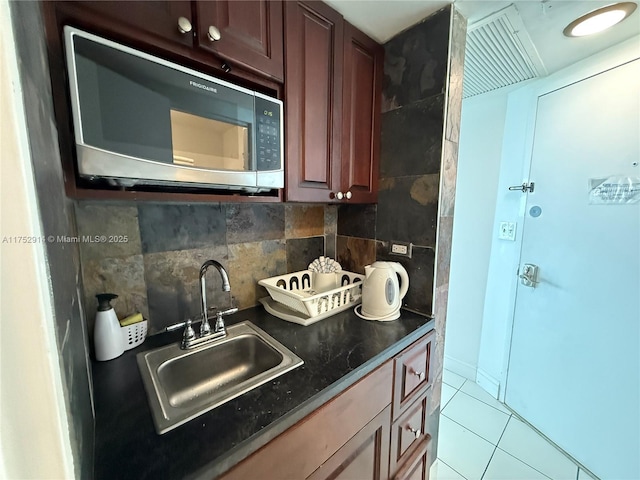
56	215
153	253
448	174
414	98
418	166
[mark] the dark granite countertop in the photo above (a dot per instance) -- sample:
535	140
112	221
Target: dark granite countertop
337	352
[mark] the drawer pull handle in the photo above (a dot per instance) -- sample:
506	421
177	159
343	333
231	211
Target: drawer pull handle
415	431
420	375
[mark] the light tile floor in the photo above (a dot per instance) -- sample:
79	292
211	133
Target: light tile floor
480	438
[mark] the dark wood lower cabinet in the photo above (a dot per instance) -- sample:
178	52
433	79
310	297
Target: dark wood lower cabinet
362	457
354	436
299	451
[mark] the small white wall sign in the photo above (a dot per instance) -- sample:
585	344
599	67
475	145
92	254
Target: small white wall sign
614	190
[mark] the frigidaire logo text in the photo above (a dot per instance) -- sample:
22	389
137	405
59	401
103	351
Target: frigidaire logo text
204	87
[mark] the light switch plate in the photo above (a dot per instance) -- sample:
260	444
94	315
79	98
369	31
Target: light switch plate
507	231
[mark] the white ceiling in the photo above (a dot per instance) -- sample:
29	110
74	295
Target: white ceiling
544	21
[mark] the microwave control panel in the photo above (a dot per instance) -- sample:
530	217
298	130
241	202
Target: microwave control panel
268	139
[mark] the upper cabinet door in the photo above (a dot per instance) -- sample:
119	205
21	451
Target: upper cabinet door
313	100
170	20
362	92
249	33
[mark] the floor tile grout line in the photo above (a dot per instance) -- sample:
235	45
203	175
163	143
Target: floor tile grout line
508	415
472	431
504	429
487	404
496	449
546	440
469	430
484	472
442	407
445	463
456	389
521	460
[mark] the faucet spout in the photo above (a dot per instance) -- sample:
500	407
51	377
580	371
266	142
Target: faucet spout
205	328
223	274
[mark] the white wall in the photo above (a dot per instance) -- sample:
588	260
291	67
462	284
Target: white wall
479	156
505	256
34	436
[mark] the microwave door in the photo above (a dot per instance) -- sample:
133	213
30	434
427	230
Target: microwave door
119	114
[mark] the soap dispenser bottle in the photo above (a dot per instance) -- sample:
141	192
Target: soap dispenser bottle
107	335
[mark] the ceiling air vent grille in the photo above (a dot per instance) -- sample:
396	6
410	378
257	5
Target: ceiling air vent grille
499	53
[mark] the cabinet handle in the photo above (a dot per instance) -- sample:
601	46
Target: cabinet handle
416	431
339	195
420	375
214	34
348	195
184	25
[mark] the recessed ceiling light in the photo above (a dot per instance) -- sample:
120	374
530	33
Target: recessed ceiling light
599	19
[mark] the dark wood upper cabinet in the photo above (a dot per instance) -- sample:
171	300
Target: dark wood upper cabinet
332	99
313	100
159	18
249	33
362	92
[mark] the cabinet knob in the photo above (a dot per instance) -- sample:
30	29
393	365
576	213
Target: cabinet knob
420	375
184	25
416	431
348	195
214	34
339	195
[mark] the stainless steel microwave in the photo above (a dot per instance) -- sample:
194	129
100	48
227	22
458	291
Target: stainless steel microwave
142	120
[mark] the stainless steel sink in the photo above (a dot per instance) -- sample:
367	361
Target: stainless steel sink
182	384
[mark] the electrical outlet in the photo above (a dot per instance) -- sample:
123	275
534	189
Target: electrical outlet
400	248
507	231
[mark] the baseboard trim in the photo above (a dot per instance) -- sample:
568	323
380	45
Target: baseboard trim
461	368
488	383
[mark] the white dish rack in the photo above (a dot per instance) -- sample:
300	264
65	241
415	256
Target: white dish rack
295	290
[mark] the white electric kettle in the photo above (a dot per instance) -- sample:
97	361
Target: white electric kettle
381	294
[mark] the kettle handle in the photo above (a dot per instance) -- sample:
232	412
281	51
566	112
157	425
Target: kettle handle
404	278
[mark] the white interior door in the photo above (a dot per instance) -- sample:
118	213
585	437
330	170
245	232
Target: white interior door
575	351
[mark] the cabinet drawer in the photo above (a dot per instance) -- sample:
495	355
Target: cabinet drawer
417	465
412	375
409	431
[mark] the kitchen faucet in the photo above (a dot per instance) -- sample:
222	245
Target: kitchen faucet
189	338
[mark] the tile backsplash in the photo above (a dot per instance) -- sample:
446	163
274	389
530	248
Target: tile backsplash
411	153
153	253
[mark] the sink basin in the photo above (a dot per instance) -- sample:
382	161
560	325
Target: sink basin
182	384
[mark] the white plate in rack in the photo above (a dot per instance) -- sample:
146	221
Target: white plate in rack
277	309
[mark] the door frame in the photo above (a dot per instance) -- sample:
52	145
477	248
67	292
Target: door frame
517	151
